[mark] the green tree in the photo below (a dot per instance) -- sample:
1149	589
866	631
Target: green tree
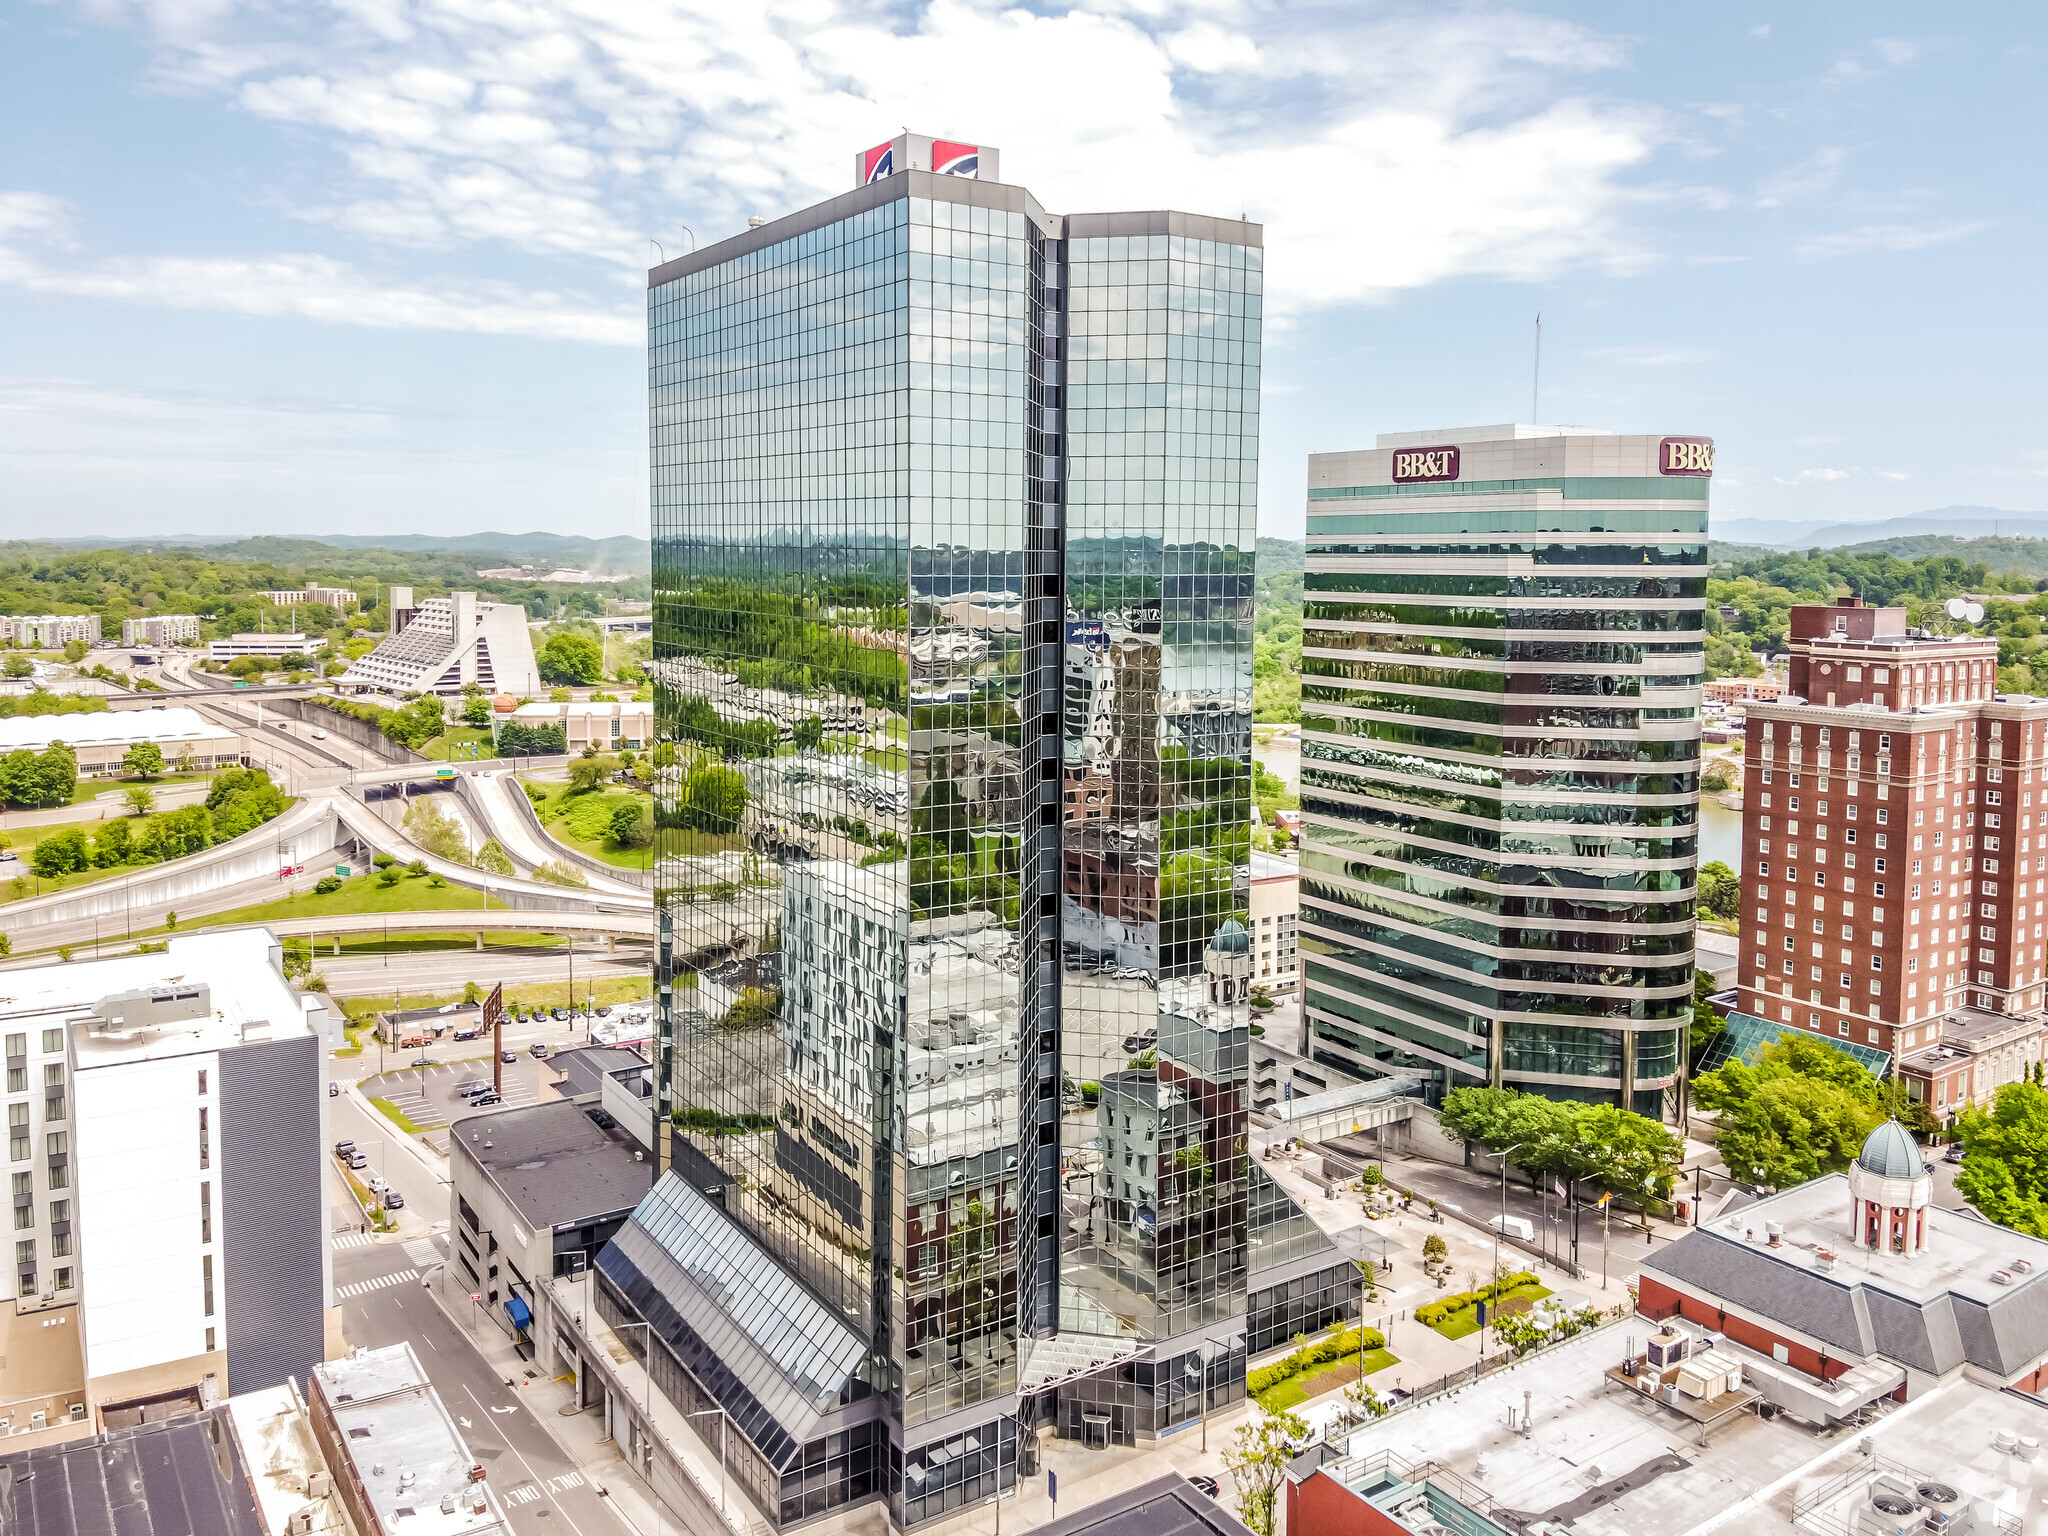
18	665
1803	1110
39	779
570	658
1720	889
476	711
1707	1025
714	797
590	772
60	853
74	650
141	799
145	760
2005	1158
492	859
429	825
1258	1457
631	827
113	843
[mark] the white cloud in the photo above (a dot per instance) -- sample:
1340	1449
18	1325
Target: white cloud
1385	147
1813	476
1893	474
1884	237
1811	176
305	287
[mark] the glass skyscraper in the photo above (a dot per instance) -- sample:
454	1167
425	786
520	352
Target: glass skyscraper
1503	654
954	516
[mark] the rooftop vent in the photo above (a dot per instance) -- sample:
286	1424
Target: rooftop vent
2001	1277
152	1008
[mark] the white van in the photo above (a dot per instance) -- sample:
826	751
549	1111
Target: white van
1513	1226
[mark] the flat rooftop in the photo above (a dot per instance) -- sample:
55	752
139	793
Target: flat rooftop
1615	1463
114	727
184	1475
248	998
389	1416
553	1163
1962	1254
1166	1506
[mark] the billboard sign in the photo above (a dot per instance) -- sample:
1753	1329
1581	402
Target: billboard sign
1685	456
1422	464
878	163
956	159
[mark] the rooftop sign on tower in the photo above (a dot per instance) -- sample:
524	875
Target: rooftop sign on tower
915	152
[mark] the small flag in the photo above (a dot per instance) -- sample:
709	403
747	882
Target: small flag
1601	1203
1558	1185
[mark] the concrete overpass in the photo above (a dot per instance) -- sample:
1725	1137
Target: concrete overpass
1346	1111
609	926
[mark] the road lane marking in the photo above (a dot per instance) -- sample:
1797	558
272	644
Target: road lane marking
364	1287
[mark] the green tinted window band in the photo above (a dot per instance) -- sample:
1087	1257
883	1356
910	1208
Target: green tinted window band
1621	488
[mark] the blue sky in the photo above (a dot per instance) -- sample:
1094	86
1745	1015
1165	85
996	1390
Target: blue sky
376	266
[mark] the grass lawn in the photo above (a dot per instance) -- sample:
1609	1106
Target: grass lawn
1327	1377
361	893
1460	1324
453	744
92	789
396	1116
583	821
611	991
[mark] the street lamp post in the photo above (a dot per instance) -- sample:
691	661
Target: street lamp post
1492	1311
724	1418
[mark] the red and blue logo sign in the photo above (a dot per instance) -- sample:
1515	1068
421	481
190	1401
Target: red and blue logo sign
956	159
878	163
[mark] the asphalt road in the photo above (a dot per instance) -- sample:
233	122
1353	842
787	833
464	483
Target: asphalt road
379	1288
444	970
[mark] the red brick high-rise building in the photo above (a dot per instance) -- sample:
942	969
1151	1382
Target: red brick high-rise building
1888	807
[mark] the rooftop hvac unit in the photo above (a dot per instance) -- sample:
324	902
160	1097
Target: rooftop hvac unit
77	1412
1943	1503
38	1419
2001	1277
2022	1266
1892	1510
6	1426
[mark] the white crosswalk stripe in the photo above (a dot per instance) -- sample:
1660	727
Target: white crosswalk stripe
362	1287
352	1240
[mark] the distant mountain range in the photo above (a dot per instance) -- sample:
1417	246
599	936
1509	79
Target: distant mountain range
621	555
1949	522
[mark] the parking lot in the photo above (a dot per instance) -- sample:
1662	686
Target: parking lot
427	1095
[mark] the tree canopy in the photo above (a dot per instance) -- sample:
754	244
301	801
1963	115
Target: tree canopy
1616	1148
1803	1110
2005	1158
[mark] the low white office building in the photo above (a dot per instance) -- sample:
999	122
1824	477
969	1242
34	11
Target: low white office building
441	644
281	643
100	741
628	723
167	1123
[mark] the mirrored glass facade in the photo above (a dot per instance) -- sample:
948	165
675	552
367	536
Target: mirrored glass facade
1502	655
954	521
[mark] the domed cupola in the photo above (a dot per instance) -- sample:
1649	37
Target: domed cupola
1890	1190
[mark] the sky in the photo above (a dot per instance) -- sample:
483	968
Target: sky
378	266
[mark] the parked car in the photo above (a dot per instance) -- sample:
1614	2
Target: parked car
9	858
393	1200
1954	1154
467	1034
376	1184
357	1159
412	1043
449	1008
603	1009
1513	1226
486	1098
539	1050
423	1061
471	1089
343	1147
508	1055
558	1014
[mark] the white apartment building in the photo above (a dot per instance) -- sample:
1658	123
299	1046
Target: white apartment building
442	643
161	629
1275	914
49	631
167	1129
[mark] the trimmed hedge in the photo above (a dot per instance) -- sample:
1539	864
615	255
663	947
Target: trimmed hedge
1330	1347
1441	1311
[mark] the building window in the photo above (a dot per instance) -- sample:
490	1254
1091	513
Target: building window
206	1281
53	1042
210	1345
63	1280
17	1132
205	1144
202	1082
206	1212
